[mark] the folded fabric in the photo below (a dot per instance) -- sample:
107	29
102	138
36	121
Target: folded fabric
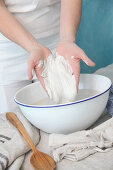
110	102
79	145
12	144
108	72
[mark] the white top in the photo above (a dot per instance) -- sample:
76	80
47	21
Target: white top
41	18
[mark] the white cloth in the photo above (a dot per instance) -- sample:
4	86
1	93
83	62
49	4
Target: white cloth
93	162
81	144
41	19
59	80
21	160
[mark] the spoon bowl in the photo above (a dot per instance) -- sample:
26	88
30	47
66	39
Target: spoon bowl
47	162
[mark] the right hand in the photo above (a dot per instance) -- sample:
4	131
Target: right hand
37	54
69	50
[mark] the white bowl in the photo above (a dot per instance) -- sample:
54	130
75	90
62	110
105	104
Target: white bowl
69	117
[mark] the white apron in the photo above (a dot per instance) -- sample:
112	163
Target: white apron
41	18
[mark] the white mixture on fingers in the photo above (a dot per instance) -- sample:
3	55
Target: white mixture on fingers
58	79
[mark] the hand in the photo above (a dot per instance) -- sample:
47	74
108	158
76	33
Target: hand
74	54
36	55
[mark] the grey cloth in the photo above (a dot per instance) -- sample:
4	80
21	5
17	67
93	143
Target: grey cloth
108	72
110	102
12	145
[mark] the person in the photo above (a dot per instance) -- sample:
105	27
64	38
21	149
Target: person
29	32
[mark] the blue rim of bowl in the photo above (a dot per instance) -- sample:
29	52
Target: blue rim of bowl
59	105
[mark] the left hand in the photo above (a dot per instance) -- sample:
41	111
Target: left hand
38	54
71	52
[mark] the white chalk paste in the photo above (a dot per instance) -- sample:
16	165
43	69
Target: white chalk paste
58	79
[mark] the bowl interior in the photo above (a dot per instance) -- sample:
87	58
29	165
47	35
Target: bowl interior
35	92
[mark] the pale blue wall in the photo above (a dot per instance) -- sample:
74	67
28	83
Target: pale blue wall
95	34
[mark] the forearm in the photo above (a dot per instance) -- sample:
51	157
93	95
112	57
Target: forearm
70	19
13	30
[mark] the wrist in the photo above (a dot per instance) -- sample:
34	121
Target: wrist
68	36
35	46
32	44
67	40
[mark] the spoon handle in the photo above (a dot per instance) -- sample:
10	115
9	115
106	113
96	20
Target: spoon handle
17	123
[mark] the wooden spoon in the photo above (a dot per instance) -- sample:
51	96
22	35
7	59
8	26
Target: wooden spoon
39	160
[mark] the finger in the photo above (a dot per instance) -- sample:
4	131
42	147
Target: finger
41	80
39	71
77	81
76	72
30	69
87	60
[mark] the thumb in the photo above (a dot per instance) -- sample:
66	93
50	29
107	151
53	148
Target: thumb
85	58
